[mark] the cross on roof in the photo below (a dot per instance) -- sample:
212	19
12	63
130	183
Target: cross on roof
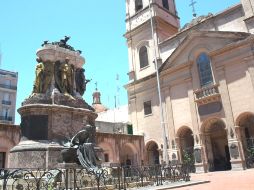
96	84
193	8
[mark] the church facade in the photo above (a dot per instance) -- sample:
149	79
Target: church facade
206	75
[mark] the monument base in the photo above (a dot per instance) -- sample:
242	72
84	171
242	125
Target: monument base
35	154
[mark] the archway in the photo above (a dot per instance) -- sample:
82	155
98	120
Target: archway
246	124
128	155
5	146
152	151
107	154
186	146
216	142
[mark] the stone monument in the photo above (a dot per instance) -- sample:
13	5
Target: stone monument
55	111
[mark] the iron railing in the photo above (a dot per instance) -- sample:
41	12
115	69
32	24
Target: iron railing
8	86
6	102
250	153
105	178
4	118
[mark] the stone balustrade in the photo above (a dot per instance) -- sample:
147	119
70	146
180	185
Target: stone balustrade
207	94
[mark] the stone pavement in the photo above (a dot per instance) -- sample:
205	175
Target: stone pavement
225	180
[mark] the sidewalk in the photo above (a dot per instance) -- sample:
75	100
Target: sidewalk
225	180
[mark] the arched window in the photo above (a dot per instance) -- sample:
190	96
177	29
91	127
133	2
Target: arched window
138	5
143	57
205	70
165	4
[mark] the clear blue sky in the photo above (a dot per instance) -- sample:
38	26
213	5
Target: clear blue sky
95	27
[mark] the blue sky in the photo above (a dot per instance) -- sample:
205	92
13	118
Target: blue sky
95	27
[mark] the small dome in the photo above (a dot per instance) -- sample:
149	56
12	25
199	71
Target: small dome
99	108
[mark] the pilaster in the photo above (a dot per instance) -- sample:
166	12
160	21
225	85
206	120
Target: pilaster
170	126
236	161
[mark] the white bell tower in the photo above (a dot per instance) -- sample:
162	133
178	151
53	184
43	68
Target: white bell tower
165	23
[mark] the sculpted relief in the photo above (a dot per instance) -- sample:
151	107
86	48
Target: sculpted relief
65	76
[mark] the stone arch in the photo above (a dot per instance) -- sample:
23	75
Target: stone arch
185	142
245	121
242	117
193	56
108	152
208	123
216	144
6	143
5	146
152	153
139	46
128	154
196	50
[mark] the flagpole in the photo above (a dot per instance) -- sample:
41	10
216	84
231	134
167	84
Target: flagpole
162	123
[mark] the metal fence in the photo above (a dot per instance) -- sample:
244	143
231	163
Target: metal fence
250	153
104	178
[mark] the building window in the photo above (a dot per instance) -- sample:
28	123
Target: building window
106	158
2	159
7	82
6	96
129	129
5	113
143	57
138	5
205	70
165	4
147	108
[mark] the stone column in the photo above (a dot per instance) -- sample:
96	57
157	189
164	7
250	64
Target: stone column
204	152
171	127
236	162
178	148
240	143
250	62
199	164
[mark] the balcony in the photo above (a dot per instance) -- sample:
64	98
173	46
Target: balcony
207	95
6	102
8	86
4	118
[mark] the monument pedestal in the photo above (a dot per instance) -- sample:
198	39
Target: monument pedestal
55	111
35	154
48	127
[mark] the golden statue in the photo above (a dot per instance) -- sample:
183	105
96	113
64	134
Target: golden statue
43	76
38	83
64	73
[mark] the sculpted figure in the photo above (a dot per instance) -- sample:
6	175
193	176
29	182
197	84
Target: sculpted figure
81	81
47	75
64	76
84	140
43	76
39	76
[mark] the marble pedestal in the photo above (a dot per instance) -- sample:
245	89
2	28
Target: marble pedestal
44	130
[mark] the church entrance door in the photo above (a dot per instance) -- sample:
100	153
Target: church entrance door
216	143
152	152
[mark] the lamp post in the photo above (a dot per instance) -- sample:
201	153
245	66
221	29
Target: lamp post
162	123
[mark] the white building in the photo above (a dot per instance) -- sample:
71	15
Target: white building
8	94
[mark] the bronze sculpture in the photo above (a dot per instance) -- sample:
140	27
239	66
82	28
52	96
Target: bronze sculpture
43	76
64	77
80	80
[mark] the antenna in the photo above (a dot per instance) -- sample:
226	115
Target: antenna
193	8
0	56
117	90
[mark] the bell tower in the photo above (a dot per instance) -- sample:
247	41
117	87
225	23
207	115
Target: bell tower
141	17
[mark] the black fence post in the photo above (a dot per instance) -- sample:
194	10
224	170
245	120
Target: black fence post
66	178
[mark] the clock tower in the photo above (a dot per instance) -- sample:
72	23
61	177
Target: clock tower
139	25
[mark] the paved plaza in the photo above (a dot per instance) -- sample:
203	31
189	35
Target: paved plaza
225	180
